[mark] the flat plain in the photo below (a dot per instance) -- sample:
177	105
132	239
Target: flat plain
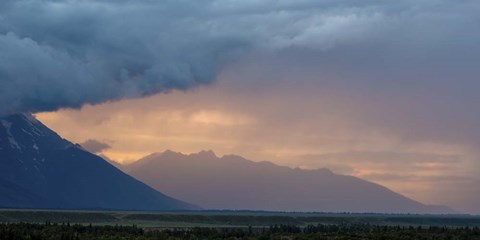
230	219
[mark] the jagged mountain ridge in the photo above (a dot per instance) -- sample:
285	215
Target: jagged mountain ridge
232	182
39	169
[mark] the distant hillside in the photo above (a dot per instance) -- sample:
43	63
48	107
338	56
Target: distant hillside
39	169
232	182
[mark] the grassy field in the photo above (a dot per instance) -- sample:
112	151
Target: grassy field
229	219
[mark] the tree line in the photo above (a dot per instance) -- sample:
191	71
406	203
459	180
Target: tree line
66	231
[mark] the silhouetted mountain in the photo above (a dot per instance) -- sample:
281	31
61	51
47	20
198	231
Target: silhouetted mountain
232	182
39	169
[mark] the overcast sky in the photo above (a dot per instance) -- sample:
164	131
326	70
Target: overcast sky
384	90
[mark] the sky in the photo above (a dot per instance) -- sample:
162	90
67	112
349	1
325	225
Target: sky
383	90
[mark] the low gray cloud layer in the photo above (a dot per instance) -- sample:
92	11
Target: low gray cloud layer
67	53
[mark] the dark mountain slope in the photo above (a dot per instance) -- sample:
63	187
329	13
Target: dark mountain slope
39	169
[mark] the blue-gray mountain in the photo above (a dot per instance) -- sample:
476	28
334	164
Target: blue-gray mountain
232	182
39	169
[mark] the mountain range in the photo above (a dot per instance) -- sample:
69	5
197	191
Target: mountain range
39	169
232	182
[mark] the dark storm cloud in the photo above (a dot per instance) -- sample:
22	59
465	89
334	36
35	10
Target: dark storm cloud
65	54
58	54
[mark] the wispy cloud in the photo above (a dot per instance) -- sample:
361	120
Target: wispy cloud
95	146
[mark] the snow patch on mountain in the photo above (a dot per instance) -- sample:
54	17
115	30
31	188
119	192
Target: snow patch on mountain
11	139
30	121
